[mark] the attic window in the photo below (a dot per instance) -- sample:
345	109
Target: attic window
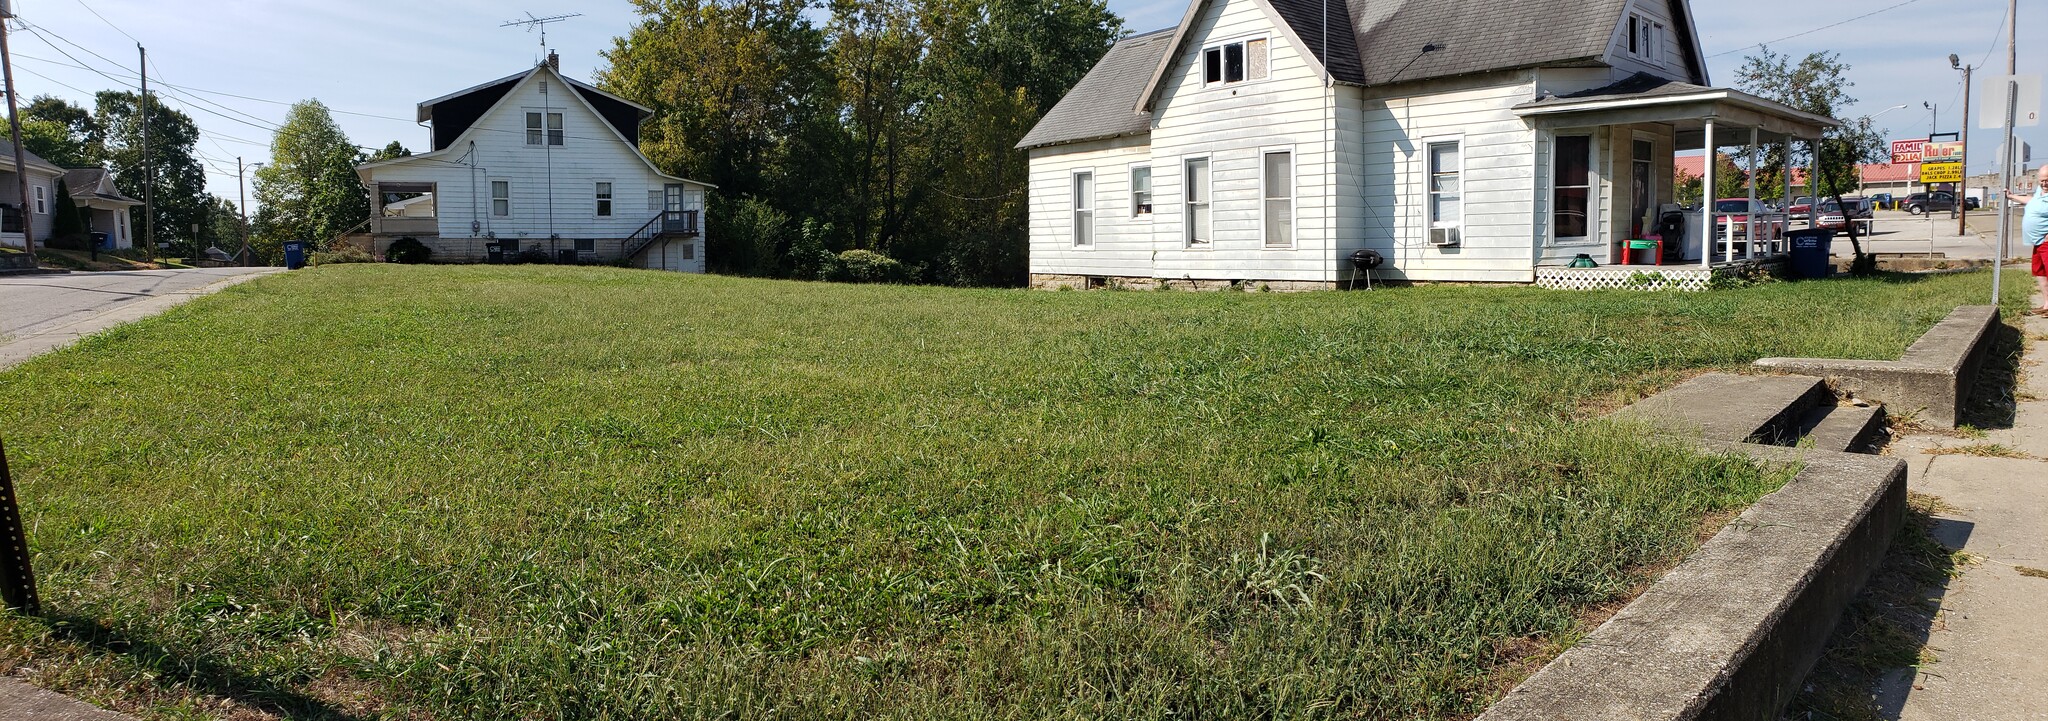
1234	62
1645	38
534	133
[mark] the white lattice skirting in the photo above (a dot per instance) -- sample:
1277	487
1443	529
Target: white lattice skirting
1643	277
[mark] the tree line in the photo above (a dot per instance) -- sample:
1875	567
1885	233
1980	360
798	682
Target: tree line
859	139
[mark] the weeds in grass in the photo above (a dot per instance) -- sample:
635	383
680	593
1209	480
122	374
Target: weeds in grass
1985	450
2031	572
555	492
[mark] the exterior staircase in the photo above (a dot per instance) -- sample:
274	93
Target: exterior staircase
668	225
1769	410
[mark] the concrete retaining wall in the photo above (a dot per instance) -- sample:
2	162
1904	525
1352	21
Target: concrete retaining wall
1931	380
1732	632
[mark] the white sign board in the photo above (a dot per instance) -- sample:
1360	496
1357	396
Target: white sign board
2028	113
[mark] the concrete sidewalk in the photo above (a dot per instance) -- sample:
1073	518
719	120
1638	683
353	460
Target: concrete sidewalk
39	336
1989	638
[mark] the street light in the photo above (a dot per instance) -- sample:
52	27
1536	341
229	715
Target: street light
1962	211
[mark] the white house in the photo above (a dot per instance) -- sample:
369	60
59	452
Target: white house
537	162
1463	140
101	204
42	182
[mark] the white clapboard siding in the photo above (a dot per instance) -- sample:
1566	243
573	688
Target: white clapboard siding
1498	178
1233	125
1123	241
552	188
1671	61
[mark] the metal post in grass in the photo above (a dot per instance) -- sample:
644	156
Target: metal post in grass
17	579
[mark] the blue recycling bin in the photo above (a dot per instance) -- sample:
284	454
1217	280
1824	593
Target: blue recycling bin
294	254
1810	252
103	241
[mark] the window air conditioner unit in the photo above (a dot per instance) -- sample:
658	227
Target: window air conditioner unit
1445	234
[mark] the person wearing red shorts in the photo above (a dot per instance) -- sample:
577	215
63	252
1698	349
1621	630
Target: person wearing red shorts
2034	228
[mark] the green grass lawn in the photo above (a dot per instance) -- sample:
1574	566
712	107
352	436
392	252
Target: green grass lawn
534	492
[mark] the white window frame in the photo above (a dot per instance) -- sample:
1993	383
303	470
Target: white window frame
42	200
1593	181
1202	60
1293	197
604	198
121	225
1650	223
1187	204
1094	198
495	200
1429	213
543	136
1645	38
1151	191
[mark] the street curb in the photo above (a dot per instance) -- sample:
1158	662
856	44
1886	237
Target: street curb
20	350
1933	378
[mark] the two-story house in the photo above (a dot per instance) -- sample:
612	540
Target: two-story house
536	162
1463	140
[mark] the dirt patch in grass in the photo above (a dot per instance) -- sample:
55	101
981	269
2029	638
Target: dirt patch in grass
2031	572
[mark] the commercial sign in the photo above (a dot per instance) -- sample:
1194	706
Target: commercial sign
1946	151
1907	151
1931	173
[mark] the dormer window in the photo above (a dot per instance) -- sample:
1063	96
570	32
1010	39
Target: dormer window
1234	62
537	133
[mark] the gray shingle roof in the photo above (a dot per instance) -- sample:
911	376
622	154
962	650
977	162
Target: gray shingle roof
1306	18
34	161
1478	36
1637	86
1101	105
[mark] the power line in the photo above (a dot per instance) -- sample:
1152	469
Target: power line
110	23
1815	30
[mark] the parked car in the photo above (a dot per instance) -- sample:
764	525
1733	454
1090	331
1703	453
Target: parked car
1921	203
1831	215
1972	202
1769	225
1800	207
1883	201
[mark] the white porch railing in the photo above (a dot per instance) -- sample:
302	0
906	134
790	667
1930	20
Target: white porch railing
1766	230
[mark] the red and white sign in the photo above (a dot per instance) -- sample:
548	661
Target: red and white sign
1908	151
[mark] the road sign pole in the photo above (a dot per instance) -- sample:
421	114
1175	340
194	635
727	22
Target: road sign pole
17	578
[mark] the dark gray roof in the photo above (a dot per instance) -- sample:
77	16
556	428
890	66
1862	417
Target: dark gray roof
1103	104
1476	36
1307	18
1637	86
7	156
84	184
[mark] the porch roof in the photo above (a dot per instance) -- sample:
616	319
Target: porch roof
1645	98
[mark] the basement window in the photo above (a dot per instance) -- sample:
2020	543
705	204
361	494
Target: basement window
1235	62
586	245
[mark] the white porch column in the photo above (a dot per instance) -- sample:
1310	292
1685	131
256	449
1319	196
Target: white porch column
1749	241
1813	183
1782	245
1707	199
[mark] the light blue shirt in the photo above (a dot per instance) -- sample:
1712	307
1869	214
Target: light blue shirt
2035	225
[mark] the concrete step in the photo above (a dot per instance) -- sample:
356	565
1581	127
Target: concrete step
1847	428
1737	408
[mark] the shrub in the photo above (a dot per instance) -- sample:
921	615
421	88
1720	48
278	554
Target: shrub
67	224
342	254
533	256
810	257
867	266
409	250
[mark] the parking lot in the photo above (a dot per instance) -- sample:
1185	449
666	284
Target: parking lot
1895	231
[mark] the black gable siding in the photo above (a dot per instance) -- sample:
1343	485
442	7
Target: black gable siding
454	115
625	118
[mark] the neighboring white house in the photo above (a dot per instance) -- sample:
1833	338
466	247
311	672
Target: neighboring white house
1464	140
101	204
537	162
42	181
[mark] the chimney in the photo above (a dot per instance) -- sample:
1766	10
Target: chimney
554	61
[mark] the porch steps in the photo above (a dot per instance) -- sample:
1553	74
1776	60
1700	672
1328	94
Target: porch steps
1770	410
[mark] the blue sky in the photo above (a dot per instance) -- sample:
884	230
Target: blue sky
377	58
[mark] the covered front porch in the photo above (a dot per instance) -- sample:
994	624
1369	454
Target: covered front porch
1607	182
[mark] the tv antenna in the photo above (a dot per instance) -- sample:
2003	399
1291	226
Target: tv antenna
533	23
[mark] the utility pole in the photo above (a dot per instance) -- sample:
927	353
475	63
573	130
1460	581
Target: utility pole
148	173
242	199
1962	199
28	219
2005	155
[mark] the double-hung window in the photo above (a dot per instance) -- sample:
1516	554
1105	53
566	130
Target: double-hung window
1278	182
42	201
1446	192
1571	187
1196	182
1234	62
1084	209
604	200
501	198
1645	38
543	127
1141	190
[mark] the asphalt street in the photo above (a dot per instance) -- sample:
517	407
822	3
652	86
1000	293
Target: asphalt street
40	313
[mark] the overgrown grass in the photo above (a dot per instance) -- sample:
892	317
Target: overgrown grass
580	493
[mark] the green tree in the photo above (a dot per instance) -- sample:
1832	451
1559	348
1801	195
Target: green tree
309	191
223	225
60	132
1819	84
392	150
67	224
173	182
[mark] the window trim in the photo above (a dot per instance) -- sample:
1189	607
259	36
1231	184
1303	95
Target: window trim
605	204
1293	197
542	136
1187	206
1074	209
1643	38
1429	215
492	188
1202	60
1593	181
1151	191
42	196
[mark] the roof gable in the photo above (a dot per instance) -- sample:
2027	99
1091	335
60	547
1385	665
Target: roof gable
1301	14
453	114
1099	106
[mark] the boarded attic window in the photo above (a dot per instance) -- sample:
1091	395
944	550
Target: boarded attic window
1255	59
1235	62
